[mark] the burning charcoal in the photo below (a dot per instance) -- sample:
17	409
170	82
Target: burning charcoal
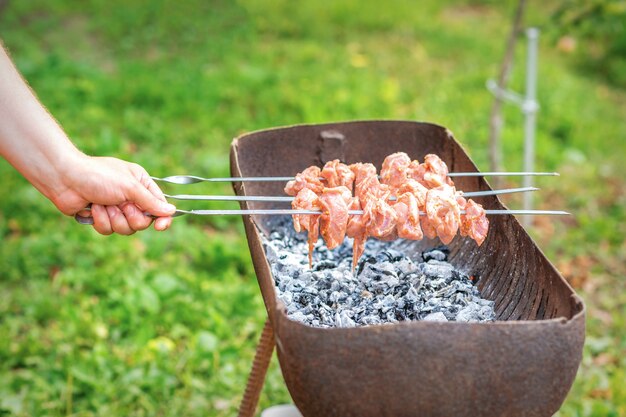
363	262
391	317
487	313
298	316
324	264
343	319
468	314
389	255
287	297
337	296
370	320
439	316
438	269
474	279
435	254
387	288
411	296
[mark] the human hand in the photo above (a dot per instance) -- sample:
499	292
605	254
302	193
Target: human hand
34	143
119	191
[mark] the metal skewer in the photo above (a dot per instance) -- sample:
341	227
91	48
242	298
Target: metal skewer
352	212
89	220
503	174
289	199
192	179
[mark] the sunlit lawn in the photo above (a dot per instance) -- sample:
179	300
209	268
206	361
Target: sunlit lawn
166	323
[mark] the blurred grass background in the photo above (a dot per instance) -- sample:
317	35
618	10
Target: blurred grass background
165	324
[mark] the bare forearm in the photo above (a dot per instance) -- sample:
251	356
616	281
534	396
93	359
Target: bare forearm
30	139
34	143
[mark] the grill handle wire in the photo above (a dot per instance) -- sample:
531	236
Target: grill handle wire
256	379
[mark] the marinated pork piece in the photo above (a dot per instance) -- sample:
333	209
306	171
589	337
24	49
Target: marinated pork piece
307	200
355	221
309	178
427	227
408	222
362	171
366	183
418	190
334	218
474	222
432	173
336	174
443	213
393	171
461	201
382	219
371	188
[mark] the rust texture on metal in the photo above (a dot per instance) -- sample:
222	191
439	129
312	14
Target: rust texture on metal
256	379
522	365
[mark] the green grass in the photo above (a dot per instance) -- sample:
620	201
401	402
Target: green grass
166	324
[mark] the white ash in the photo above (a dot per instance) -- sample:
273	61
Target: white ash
386	287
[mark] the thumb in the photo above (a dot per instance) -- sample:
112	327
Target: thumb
140	195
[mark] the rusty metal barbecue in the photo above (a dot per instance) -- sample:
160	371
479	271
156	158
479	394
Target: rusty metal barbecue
521	365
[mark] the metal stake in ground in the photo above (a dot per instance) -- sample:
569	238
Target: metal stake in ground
529	106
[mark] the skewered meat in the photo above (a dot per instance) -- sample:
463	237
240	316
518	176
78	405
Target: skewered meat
393	171
362	171
408	221
432	173
366	183
418	190
309	178
461	201
428	228
474	222
443	212
382	219
334	218
379	219
307	200
336	174
425	203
